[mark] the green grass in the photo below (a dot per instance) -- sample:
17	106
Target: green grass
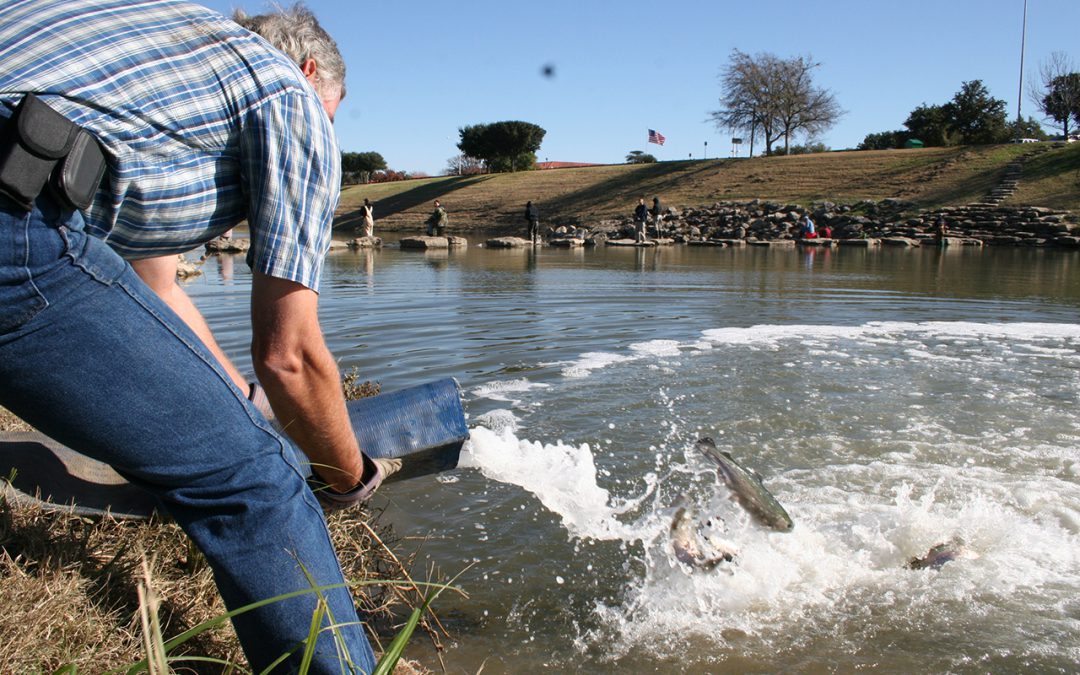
930	178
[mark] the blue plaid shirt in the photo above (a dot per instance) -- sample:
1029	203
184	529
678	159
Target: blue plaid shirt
203	124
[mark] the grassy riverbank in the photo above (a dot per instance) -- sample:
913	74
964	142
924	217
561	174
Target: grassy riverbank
69	599
929	178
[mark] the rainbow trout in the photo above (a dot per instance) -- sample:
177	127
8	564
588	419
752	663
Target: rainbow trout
746	489
687	546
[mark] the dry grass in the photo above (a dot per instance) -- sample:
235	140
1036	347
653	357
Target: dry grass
68	588
1051	179
9	422
929	178
68	584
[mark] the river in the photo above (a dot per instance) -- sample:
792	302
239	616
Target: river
892	400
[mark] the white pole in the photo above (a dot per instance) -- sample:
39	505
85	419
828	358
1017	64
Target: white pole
1020	94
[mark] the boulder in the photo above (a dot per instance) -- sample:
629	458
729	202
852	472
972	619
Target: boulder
424	243
227	245
507	242
566	242
186	269
364	242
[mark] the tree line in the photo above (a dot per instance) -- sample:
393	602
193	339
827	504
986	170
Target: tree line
775	99
973	116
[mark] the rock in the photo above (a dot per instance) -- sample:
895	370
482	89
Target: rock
898	241
424	243
364	242
859	243
227	245
186	269
567	242
507	242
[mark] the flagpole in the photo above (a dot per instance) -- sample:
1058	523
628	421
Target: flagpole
1020	94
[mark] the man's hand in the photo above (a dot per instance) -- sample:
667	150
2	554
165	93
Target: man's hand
376	471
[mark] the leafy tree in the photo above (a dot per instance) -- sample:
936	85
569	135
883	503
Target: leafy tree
929	124
1057	92
975	116
774	96
808	149
639	157
362	163
1062	102
502	146
1029	128
884	140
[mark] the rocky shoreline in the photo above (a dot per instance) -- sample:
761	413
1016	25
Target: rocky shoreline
890	221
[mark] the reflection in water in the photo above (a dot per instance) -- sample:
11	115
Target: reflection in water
225	265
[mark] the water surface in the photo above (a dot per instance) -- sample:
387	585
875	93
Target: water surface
891	400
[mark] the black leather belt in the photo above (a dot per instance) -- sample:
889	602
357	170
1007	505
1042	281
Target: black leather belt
39	147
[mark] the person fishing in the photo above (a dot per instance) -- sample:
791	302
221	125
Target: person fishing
437	221
641	217
532	217
118	151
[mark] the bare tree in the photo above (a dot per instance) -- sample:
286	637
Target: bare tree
1057	91
463	165
802	107
774	96
745	84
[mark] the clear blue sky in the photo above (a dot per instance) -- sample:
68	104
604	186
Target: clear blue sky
417	71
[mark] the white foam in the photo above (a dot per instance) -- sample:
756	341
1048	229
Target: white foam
499	390
769	334
562	476
657	348
591	361
499	420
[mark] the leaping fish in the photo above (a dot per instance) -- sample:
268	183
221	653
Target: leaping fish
687	546
747	490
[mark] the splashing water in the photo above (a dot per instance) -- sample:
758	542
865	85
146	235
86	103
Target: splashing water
882	440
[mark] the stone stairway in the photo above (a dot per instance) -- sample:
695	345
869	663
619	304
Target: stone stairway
1006	187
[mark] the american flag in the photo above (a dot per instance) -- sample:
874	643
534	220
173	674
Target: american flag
656	137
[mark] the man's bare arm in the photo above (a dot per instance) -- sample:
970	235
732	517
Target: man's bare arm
301	378
160	275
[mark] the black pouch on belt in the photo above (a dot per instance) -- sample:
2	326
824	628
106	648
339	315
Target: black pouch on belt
40	146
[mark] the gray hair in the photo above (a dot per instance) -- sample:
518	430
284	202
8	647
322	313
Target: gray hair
296	32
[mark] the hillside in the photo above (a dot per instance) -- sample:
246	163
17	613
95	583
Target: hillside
929	178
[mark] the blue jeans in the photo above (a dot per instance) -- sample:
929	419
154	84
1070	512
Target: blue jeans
93	358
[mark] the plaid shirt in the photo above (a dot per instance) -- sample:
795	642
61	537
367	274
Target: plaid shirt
203	124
